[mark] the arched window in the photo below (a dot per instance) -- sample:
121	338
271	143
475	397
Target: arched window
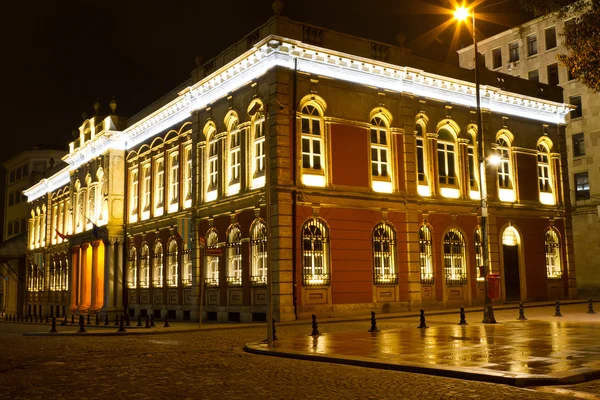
258	136
446	150
159	186
146	190
52	277
473	161
91	206
553	264
315	253
188	176
134	194
426	255
65	275
234	153
311	138
380	156
174	181
213	161
157	268
79	211
145	266
454	258
132	276
478	244
544	175
173	265
504	177
384	255
258	253
420	142
234	256
186	273
212	259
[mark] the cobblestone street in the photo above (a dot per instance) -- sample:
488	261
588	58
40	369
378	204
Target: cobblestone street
212	364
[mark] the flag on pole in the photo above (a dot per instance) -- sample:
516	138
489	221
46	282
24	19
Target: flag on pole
61	235
184	227
95	229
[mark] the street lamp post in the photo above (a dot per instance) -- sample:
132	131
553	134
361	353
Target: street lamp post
488	309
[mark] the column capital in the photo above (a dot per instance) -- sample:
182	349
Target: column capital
75	249
95	244
84	246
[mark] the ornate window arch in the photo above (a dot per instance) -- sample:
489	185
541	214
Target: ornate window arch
173	263
132	273
312	128
455	265
315	253
257	146
503	149
212	163
144	266
553	258
234	255
158	265
426	255
381	159
478	247
448	165
545	181
234	153
258	252
212	260
422	158
385	270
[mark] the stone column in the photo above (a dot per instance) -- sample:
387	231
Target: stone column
96	289
118	280
84	282
463	160
109	275
73	277
431	163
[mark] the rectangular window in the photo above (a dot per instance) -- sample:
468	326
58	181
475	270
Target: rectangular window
10	228
544	172
446	163
25	170
12	176
134	192
513	51
531	45
552	74
472	170
174	178
582	186
11	198
578	145
147	188
534	75
188	173
576	101
496	58
212	165
379	157
18	173
234	157
259	148
550	37
160	183
311	153
420	161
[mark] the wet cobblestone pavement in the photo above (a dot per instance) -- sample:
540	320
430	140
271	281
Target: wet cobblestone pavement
210	363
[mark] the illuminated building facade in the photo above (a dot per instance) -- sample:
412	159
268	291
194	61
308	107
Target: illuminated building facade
373	188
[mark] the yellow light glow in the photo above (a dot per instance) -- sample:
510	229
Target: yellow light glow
461	14
424	191
494	160
451	193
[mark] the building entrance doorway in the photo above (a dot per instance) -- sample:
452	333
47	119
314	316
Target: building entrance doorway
510	252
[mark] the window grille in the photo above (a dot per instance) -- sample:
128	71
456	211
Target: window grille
315	253
173	265
157	272
446	158
504	180
132	268
212	262
553	264
145	267
311	138
234	257
384	251
426	255
454	258
543	169
259	147
258	253
478	243
379	148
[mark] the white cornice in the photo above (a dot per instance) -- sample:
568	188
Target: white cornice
275	51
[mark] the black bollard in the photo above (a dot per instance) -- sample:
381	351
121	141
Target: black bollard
81	325
147	322
315	327
73	319
590	307
557	313
139	320
64	321
274	335
521	312
122	326
166	325
88	318
422	324
152	321
53	329
373	323
116	320
97	319
463	319
127	320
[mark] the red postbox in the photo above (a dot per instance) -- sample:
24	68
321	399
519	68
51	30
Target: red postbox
493	286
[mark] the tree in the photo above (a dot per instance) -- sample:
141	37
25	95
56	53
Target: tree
582	38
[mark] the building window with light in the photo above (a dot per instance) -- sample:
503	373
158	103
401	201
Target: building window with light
173	264
553	264
186	273
446	150
473	172
79	211
422	178
384	255
504	176
513	51
157	267
315	253
159	187
188	177
380	156
544	177
258	253
132	273
213	165
174	181
312	142
426	255
582	186
531	45
478	244
234	153
145	266
454	258
212	260
258	148
65	275
133	194
234	256
146	190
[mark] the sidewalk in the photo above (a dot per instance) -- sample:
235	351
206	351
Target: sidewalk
543	350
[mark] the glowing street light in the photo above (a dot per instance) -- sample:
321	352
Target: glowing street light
462	14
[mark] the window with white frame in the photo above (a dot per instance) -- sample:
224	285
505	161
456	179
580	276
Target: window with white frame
446	150
212	260
234	256
186	273
188	173
315	253
133	195
543	163
258	253
384	255
159	186
234	154
174	178
145	266
379	148
426	255
132	273
259	146
213	163
311	138
454	258
553	264
146	188
157	268
478	244
173	265
503	150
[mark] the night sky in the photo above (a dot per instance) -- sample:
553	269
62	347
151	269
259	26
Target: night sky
59	56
